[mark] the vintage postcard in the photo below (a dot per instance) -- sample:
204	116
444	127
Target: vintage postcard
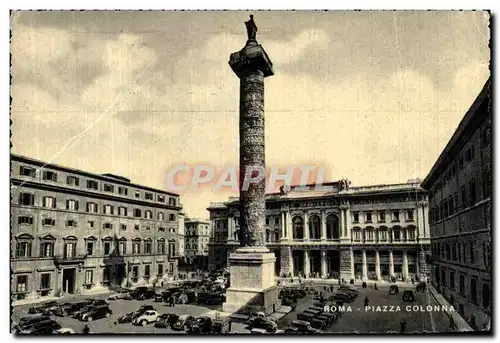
251	172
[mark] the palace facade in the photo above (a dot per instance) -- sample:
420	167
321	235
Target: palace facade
197	236
77	232
370	232
460	193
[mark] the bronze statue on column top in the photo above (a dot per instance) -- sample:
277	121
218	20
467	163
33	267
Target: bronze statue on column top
251	28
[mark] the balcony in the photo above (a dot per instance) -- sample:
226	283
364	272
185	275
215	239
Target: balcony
69	259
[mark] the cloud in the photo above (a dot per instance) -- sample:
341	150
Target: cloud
130	104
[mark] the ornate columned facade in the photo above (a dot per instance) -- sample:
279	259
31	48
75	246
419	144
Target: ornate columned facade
363	233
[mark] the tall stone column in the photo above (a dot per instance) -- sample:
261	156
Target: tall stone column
307	264
391	263
324	269
351	253
405	265
253	285
306	226
283	225
377	265
365	266
289	227
323	225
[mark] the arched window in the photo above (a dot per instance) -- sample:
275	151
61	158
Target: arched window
298	227
314	227
332	227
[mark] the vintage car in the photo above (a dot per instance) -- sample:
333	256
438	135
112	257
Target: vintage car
147	317
408	296
127	317
393	289
122	294
96	312
183	323
201	325
166	320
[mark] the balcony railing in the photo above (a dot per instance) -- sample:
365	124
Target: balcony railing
69	259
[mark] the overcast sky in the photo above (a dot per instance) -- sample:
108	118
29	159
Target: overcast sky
371	96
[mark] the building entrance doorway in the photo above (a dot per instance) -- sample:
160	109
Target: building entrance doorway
68	280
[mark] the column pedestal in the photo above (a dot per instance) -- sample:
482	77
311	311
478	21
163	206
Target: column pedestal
253	285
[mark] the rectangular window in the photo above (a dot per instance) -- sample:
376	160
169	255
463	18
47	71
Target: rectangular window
22	284
461	163
137	194
71	223
395	216
122	211
444	204
452	280
161	229
49	175
137	213
25	220
109	188
89	277
473	290
172	201
107	248
397	235
123	190
451	205
49	202
90	248
91	223
409	215
23	249
464	197
411	234
72	205
472	192
108	209
27	171
381	216
27	199
136	248
161	198
108	225
357	235
147	247
124	227
91	184
368	217
160	269
45	281
122	248
369	235
161	247
148	196
472	253
48	222
72	181
46	249
382	235
136	227
171	217
69	250
106	273
147	270
148	214
160	215
355	217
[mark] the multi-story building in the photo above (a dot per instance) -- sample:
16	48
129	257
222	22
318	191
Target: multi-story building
459	188
75	232
372	232
197	236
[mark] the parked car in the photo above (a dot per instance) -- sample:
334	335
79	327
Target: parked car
64	331
201	325
408	296
127	317
221	326
80	311
145	308
307	317
289	301
96	313
166	320
340	297
97	302
123	294
40	308
183	323
149	294
69	309
393	289
146	318
45	327
263	323
318	323
30	320
304	327
291	330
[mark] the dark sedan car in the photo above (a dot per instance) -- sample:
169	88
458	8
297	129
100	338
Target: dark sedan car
166	320
84	309
408	296
183	323
46	327
96	313
40	308
263	323
127	317
201	325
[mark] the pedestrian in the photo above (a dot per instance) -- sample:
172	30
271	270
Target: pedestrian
331	288
452	323
403	326
366	301
376	288
86	329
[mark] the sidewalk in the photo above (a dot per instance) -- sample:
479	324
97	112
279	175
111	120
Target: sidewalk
63	298
460	323
380	283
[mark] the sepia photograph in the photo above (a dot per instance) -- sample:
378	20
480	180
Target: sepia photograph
265	172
